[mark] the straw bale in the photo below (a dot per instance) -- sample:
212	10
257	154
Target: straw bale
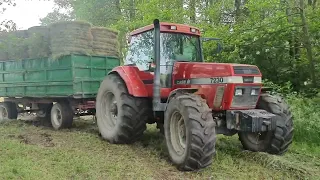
16	45
105	42
3	46
103	33
70	37
38	42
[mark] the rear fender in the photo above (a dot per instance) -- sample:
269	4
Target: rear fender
134	84
179	91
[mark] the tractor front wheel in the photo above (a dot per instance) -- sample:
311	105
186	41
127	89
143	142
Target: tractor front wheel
189	132
121	118
273	142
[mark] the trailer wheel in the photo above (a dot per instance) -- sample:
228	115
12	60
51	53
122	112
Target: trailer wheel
121	118
189	132
8	110
273	142
61	115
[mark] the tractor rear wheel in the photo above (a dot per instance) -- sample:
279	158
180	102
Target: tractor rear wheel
121	118
273	142
189	132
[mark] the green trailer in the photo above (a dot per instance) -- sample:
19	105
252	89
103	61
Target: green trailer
58	88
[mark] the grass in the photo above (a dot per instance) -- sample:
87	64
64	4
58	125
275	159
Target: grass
306	119
32	151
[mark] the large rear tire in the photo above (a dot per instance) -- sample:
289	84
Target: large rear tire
121	118
273	142
8	110
189	132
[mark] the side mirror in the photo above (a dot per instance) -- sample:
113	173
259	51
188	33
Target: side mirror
219	48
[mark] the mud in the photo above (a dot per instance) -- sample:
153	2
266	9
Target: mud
42	139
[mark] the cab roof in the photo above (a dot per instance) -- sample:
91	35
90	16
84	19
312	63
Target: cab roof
170	27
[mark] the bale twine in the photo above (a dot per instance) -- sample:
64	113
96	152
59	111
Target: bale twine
16	45
105	42
70	37
38	42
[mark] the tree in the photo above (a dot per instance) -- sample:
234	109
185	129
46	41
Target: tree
6	25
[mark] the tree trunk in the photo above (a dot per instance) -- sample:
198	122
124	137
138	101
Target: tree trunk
307	43
237	4
192	10
132	10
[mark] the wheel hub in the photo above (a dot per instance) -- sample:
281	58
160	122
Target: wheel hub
57	118
178	133
110	108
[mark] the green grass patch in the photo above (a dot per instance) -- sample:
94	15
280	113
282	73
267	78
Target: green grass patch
306	119
30	152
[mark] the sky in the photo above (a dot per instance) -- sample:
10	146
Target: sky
27	13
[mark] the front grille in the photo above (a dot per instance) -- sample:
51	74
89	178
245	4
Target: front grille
246	100
239	70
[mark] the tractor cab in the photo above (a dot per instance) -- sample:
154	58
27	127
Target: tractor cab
178	43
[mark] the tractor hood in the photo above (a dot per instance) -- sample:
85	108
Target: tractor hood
212	73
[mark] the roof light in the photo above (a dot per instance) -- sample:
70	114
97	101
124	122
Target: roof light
193	30
173	27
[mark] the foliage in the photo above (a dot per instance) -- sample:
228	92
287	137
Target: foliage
7	24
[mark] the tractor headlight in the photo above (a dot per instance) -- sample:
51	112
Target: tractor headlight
254	92
238	92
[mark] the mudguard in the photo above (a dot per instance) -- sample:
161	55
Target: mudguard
179	90
132	79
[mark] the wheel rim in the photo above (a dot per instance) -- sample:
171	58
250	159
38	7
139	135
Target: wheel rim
3	113
257	138
57	117
110	108
178	133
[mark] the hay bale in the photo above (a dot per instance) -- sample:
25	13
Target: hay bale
105	42
3	46
70	37
38	42
16	45
103	33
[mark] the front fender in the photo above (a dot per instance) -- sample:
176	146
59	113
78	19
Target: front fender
134	84
179	91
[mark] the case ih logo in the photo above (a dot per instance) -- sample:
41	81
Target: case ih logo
215	80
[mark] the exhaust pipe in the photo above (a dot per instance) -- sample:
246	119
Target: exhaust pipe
156	81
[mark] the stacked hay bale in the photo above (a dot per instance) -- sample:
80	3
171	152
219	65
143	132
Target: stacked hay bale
105	42
70	37
3	46
38	42
16	46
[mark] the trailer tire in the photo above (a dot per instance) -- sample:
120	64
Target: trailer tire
8	110
273	142
121	118
61	116
195	147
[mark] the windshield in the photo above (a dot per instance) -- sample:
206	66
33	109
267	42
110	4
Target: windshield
173	47
179	47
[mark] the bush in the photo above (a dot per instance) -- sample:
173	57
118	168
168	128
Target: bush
305	108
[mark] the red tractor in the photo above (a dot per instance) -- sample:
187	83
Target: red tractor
166	81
